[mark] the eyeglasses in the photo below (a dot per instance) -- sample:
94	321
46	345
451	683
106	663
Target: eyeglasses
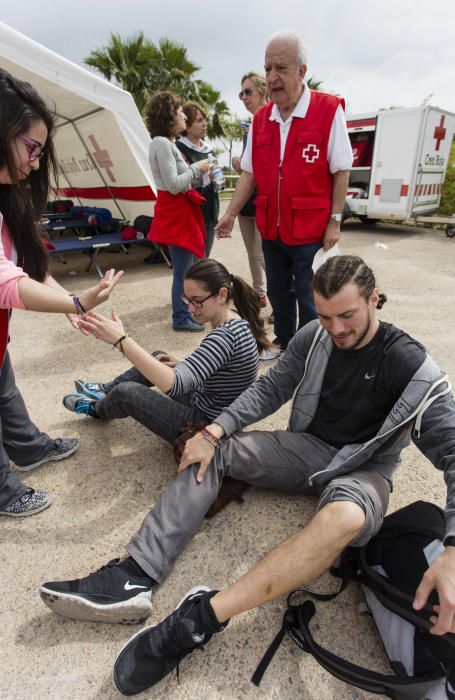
36	151
197	303
247	91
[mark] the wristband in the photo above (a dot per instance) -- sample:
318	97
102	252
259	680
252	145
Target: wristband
120	342
210	437
77	304
449	541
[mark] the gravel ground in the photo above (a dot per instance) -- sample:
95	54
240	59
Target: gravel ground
102	492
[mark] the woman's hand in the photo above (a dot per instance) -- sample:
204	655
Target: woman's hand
97	295
167	359
203	165
74	320
109	330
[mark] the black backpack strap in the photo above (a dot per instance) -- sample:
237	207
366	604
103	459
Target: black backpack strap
391	686
296	623
450	682
270	653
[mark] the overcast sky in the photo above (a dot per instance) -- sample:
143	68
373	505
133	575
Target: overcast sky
375	54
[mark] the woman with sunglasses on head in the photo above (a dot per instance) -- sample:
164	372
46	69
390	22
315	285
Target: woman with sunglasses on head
177	220
26	158
196	389
253	95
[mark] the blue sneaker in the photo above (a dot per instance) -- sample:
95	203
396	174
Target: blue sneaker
78	403
190	326
93	390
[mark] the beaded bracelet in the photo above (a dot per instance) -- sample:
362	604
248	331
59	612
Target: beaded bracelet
120	341
210	437
77	304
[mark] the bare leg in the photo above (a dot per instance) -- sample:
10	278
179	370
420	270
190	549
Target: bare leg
295	562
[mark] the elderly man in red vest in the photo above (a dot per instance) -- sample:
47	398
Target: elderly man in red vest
298	154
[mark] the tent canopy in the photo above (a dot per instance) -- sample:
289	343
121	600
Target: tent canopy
101	141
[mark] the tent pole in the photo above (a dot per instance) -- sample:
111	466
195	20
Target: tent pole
95	164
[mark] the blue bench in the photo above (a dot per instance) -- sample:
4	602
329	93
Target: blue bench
93	245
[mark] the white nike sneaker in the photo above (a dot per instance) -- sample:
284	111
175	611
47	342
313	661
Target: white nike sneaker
110	594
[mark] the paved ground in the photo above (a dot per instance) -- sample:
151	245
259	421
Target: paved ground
103	491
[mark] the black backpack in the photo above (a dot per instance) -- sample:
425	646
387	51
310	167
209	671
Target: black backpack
389	569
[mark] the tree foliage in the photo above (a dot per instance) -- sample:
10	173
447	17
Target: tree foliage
141	67
447	207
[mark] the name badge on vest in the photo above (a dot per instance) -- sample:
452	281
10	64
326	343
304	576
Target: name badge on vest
310	153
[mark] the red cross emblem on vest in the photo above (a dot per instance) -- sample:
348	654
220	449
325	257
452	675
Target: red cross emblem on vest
310	153
439	132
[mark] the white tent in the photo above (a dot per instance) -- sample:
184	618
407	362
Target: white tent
101	141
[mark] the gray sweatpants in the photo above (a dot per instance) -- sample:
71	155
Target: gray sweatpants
129	394
277	460
20	439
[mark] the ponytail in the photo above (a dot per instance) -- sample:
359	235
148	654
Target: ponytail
246	301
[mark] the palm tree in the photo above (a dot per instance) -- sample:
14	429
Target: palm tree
127	63
313	83
141	67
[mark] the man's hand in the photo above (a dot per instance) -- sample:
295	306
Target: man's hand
236	164
197	450
440	576
224	227
332	234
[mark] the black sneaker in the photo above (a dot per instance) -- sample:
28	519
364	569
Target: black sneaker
155	651
62	448
108	595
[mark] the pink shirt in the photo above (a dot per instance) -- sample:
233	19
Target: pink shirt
9	272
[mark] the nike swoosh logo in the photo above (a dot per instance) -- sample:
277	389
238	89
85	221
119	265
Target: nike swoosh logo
129	587
369	376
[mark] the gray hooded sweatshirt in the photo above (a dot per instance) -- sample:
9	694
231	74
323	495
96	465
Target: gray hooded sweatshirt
424	413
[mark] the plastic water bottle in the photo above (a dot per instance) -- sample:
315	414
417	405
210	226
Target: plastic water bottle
217	175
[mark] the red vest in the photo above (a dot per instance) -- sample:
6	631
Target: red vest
178	220
295	198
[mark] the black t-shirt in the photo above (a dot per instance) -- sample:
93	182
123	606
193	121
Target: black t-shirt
361	386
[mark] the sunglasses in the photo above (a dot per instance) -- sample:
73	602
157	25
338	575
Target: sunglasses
247	91
197	303
36	151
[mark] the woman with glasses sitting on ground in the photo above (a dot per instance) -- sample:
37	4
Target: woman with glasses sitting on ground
26	160
199	387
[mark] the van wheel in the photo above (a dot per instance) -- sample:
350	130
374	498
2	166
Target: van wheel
450	232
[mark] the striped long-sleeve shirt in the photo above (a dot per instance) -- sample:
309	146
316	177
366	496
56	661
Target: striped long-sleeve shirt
222	367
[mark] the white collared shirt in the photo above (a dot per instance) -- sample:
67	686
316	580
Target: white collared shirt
339	154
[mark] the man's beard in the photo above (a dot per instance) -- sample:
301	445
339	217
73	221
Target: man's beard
362	335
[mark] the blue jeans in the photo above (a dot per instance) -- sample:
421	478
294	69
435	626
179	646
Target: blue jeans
289	274
182	260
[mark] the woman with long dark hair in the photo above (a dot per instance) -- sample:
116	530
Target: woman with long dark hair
26	160
199	387
177	221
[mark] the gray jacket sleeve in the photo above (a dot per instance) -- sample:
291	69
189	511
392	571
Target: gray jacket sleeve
273	389
437	443
174	182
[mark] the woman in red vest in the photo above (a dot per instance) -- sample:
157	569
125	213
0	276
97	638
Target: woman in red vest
26	158
177	221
